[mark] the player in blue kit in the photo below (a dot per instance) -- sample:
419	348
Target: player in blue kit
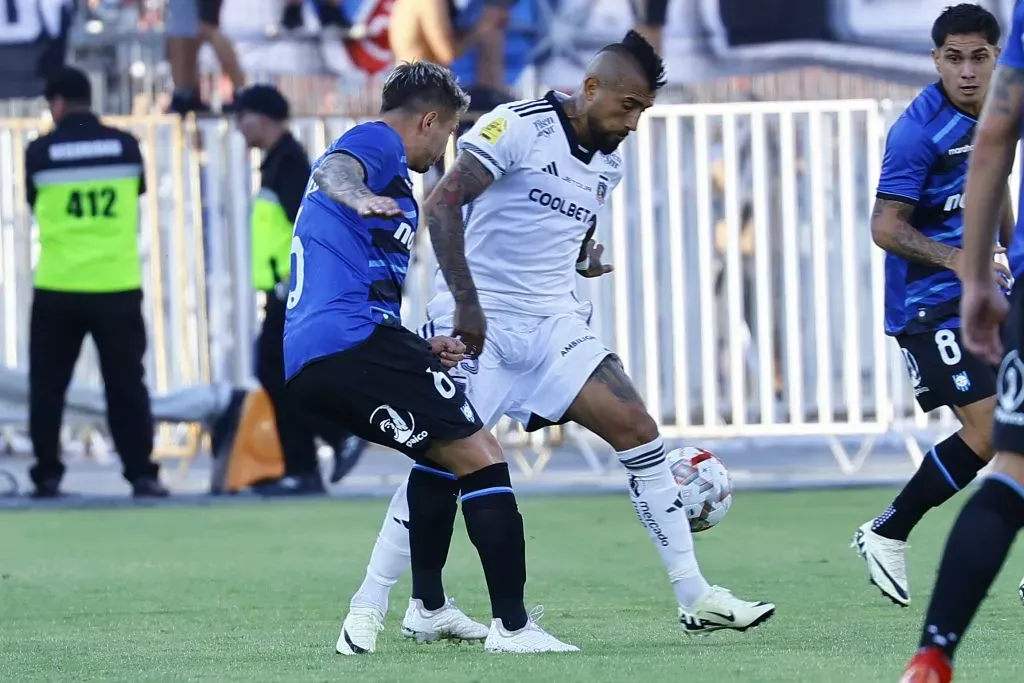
348	358
918	221
987	525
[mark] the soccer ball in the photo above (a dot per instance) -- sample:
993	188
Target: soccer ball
705	486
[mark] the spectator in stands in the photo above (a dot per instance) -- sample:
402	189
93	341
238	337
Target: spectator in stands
191	23
426	29
329	12
83	183
650	17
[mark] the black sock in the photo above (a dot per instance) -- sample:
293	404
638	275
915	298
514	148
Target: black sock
433	501
974	554
496	529
947	468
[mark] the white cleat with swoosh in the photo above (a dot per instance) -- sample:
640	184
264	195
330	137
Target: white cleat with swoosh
719	609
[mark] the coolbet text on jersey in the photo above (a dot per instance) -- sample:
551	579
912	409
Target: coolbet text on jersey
925	165
347	271
523	235
1013	56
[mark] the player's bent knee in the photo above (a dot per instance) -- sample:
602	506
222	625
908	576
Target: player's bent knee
465	456
633	427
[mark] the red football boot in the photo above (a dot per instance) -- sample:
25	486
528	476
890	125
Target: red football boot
929	665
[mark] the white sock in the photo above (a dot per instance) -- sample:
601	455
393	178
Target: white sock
390	556
653	491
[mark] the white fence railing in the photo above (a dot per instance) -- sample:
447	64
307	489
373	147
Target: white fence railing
746	301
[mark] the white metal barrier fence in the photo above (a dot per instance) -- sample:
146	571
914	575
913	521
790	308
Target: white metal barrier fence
746	301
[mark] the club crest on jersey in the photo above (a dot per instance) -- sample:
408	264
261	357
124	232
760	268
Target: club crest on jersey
602	192
493	131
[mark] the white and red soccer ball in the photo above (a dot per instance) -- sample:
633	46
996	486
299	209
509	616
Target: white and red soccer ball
705	486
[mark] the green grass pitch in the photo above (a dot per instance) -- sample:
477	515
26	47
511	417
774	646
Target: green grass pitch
256	593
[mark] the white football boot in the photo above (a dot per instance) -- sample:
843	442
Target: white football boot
1020	590
446	623
719	609
887	563
359	631
529	639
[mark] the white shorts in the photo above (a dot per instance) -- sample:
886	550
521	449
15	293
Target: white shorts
530	367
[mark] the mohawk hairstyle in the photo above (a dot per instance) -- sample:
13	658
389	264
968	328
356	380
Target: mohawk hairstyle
642	52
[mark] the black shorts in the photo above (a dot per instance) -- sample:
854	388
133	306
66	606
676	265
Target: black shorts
391	390
1008	433
943	372
209	11
650	12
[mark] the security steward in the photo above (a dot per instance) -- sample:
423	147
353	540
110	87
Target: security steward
262	113
84	180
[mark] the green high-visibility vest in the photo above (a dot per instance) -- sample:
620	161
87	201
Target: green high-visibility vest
271	241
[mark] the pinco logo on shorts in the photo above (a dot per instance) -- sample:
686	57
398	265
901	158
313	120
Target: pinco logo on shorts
399	425
1010	388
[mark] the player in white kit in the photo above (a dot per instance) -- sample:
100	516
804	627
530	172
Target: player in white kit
533	177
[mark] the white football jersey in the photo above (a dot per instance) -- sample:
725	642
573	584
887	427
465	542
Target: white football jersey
524	232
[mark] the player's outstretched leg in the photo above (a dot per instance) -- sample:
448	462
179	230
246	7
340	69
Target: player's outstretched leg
609	406
977	547
495	528
389	559
948	467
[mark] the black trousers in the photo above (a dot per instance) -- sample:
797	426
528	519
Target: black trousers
60	321
295	429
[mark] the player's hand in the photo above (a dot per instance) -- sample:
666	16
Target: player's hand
594	267
983	308
384	207
999	269
448	349
470	327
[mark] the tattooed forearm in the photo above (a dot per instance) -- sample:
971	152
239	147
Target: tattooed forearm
342	179
466	180
1004	98
611	374
891	230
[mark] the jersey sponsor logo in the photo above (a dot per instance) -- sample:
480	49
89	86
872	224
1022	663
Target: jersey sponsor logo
954	202
646	517
405	234
545	126
576	342
551	169
399	427
467	411
966	149
89	149
565	207
493	131
613	160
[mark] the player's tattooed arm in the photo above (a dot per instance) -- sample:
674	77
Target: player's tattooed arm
995	144
342	178
464	182
892	231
